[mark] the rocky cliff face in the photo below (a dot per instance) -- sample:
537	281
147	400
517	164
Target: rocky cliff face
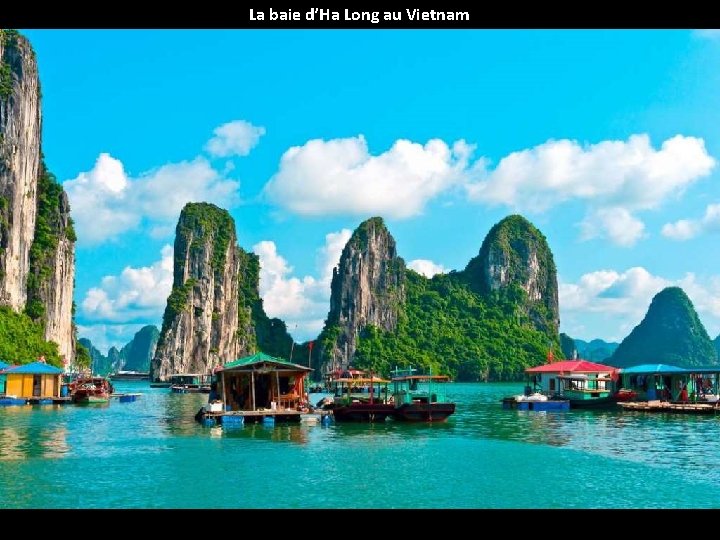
19	164
37	240
367	289
670	333
203	325
515	256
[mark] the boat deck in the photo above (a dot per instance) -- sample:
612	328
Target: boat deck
667	406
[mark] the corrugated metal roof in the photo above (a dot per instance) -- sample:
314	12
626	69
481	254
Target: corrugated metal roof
260	358
572	366
654	368
36	368
3	365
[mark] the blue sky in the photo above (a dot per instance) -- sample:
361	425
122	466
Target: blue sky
606	140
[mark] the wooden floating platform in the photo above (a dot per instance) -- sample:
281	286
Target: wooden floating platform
666	406
49	401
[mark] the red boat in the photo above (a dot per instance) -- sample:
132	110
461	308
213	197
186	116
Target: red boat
91	390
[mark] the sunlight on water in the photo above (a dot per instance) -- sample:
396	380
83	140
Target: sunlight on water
152	454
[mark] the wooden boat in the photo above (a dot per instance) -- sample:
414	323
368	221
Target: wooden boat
359	399
130	376
190	384
89	390
420	398
535	402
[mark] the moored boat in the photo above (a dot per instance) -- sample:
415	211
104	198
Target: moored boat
90	390
420	398
192	383
360	399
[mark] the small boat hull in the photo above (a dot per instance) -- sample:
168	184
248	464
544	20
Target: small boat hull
362	412
536	405
608	402
423	412
91	400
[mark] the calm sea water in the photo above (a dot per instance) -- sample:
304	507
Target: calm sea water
152	454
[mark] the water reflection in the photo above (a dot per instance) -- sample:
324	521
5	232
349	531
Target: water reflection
661	440
25	442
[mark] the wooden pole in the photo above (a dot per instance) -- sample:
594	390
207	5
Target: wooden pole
252	388
224	390
277	388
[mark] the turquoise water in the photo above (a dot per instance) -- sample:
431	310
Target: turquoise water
152	454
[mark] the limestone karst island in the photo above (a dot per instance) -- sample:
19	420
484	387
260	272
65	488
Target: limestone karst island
231	280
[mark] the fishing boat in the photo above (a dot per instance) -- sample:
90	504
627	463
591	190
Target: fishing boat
420	398
190	384
89	390
360	399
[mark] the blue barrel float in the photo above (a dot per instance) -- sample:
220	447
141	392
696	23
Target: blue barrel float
233	421
269	421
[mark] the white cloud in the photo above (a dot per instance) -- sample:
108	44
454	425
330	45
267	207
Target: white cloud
616	178
629	174
136	295
340	176
427	268
616	224
685	229
99	201
614	302
235	138
104	336
105	202
303	303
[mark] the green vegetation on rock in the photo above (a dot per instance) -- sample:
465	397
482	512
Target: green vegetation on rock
670	333
22	340
8	39
521	250
449	328
51	224
83	360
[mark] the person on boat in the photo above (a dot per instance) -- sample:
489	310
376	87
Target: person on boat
684	393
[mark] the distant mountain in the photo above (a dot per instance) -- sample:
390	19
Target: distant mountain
134	356
100	364
670	333
137	354
596	350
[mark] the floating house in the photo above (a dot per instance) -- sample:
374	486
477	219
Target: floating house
666	382
260	386
33	381
585	384
654	381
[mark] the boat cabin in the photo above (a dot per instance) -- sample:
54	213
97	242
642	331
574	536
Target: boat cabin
411	388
